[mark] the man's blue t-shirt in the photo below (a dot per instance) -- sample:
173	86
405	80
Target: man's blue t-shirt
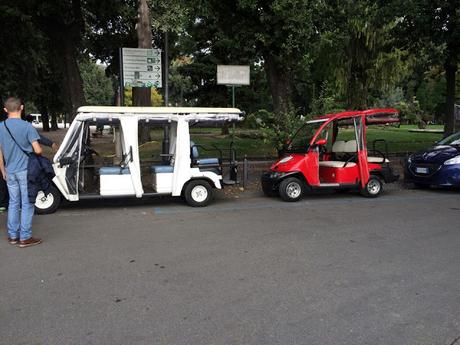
24	134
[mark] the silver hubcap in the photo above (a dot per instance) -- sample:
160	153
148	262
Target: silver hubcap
373	187
293	190
42	201
199	193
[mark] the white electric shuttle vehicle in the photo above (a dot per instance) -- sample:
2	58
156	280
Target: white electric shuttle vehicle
180	171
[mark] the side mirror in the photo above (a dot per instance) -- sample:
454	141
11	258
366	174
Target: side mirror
321	142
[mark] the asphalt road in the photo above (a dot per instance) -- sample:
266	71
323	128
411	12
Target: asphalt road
331	269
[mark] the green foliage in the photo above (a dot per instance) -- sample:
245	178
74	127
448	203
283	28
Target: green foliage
326	102
98	88
410	111
156	98
281	129
361	50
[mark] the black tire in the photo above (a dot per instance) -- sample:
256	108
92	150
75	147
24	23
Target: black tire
373	187
48	204
291	189
198	193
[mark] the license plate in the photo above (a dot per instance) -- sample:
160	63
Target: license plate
421	170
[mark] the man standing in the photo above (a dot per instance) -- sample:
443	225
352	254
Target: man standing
17	139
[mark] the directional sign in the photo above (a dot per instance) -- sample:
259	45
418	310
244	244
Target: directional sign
141	67
232	75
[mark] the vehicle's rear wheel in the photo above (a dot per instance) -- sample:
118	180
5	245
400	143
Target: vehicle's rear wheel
46	204
198	193
373	187
291	189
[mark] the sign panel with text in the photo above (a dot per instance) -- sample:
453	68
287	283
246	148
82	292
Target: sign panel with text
232	75
141	67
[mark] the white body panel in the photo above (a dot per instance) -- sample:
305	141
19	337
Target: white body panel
116	185
162	182
130	184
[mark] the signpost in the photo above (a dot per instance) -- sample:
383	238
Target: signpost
232	75
139	68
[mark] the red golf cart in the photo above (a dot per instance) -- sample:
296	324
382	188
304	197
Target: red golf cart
330	152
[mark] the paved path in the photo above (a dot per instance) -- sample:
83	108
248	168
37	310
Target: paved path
331	269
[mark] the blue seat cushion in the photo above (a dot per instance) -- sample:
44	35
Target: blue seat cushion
157	169
208	161
115	170
195	153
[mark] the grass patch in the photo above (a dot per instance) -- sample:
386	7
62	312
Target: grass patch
249	142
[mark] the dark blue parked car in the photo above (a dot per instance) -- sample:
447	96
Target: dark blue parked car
437	166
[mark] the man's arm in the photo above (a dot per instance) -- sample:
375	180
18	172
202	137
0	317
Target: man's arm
45	141
34	137
2	164
37	148
48	142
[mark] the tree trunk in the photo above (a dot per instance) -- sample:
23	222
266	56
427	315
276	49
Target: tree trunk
449	119
45	117
142	95
279	83
65	38
72	77
54	125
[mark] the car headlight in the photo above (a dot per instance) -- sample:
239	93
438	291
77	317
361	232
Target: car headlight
276	174
409	159
455	160
285	159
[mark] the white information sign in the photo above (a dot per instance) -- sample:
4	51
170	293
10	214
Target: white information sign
232	75
141	67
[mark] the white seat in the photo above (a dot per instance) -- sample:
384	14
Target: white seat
350	147
336	164
377	160
338	146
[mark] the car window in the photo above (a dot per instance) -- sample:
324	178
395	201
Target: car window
453	139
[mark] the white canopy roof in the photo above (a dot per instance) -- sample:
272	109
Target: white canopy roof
162	113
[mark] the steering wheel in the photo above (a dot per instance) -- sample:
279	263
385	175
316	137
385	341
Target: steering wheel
88	151
322	149
351	159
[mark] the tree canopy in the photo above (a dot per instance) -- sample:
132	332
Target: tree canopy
305	56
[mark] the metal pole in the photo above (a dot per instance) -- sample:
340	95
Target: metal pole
122	83
245	171
166	71
233	96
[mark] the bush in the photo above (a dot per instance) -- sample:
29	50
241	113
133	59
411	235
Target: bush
410	112
284	125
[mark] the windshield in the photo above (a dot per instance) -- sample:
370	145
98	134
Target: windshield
302	138
453	139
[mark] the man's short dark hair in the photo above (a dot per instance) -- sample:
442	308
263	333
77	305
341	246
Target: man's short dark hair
12	104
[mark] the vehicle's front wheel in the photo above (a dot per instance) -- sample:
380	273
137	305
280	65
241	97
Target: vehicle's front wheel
198	193
291	189
46	204
373	187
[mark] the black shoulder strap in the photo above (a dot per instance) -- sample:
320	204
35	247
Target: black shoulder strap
11	135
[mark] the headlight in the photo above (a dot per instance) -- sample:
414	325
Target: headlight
409	159
455	160
276	174
285	159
